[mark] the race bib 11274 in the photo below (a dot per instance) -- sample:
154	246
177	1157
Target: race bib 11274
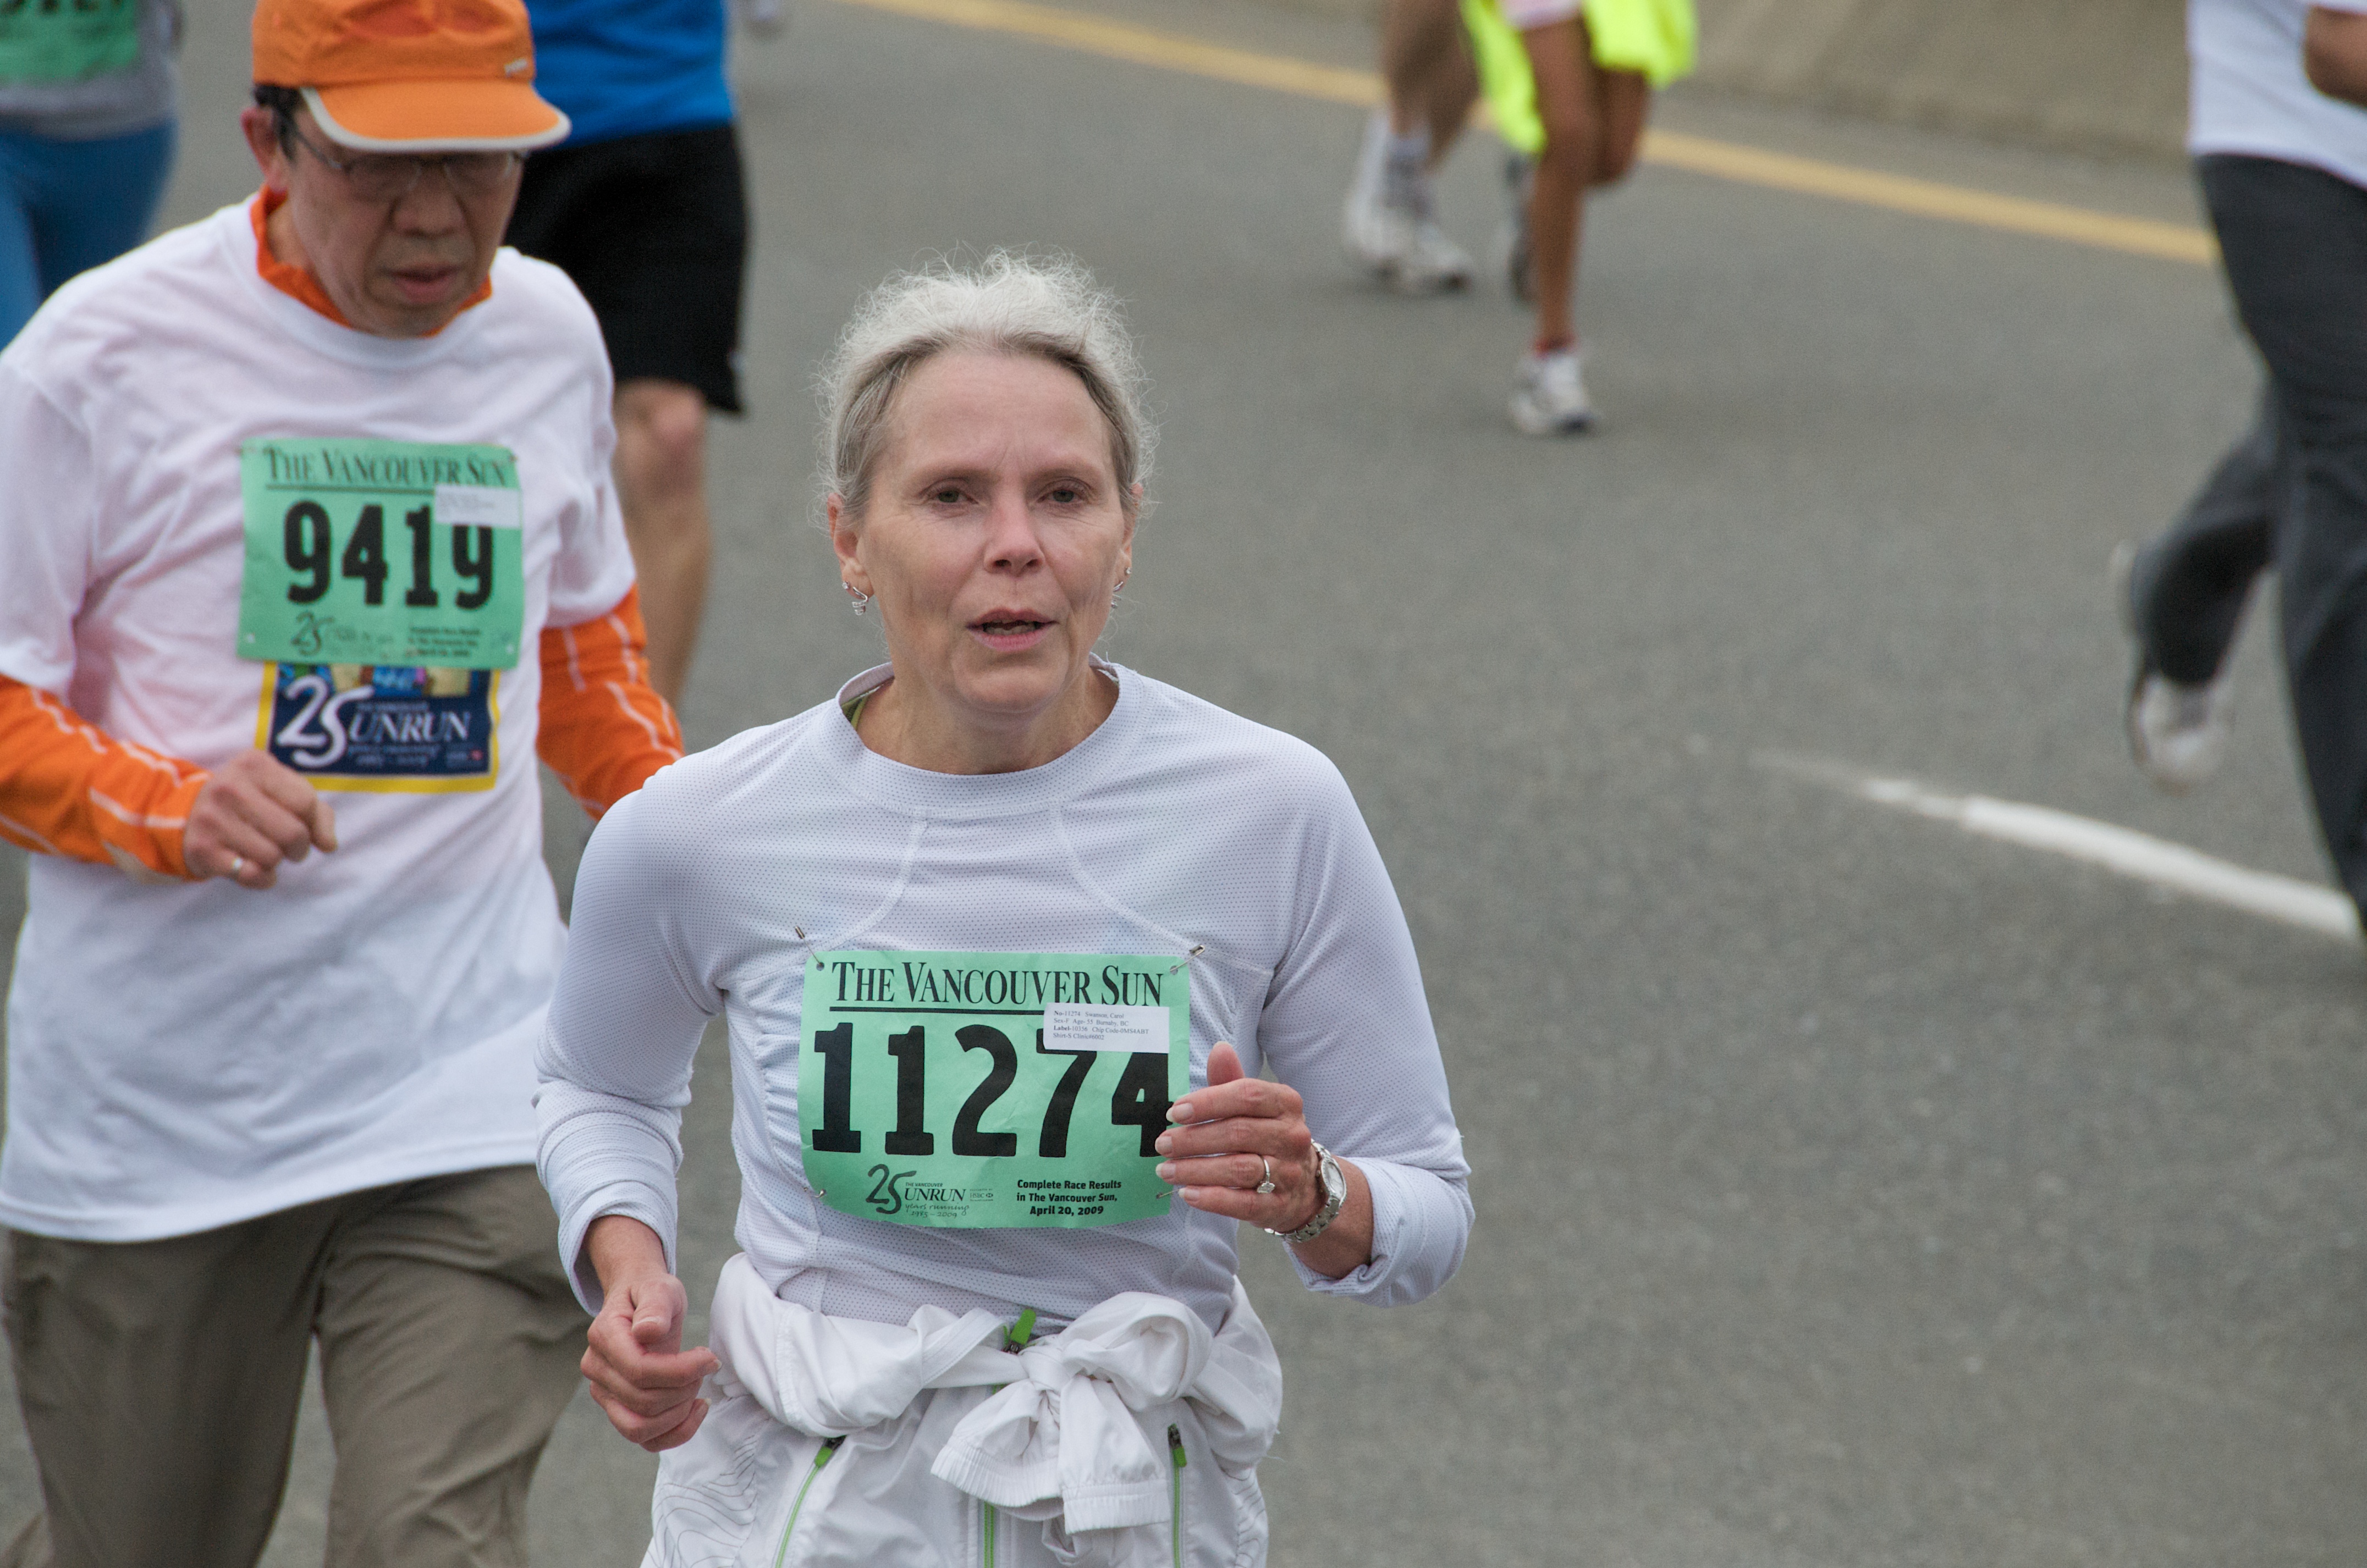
976	1090
382	553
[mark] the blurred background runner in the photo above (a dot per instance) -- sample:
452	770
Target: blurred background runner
1568	83
644	206
2280	142
86	107
1389	223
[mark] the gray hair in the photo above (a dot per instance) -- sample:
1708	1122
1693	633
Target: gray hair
1047	309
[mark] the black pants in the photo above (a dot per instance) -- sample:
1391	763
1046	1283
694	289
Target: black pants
2293	492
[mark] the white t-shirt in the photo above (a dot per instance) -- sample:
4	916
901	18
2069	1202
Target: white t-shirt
187	1056
2251	96
1175	831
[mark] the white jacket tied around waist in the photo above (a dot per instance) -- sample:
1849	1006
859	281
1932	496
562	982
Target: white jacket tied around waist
1072	1440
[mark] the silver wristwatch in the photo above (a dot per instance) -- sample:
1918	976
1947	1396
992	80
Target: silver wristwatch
1335	1192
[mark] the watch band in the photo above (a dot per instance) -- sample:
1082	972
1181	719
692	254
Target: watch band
1335	1193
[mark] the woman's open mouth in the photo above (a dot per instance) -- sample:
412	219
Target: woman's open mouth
1006	630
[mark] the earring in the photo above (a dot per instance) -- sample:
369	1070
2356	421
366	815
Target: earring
1118	590
862	599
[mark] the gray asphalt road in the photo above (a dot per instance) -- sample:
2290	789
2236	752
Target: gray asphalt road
1851	1191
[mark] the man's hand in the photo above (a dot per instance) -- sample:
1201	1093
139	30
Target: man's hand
2333	54
254	812
640	1373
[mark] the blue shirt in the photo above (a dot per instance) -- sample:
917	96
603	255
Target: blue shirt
627	67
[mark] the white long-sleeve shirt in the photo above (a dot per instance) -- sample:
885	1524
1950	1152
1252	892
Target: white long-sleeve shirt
1174	829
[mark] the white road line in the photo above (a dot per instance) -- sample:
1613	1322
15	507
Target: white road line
2139	856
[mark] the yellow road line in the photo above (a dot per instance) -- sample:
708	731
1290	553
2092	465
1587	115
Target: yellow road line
1172	52
1926	199
1700	155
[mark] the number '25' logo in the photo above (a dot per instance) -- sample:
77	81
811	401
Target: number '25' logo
885	1195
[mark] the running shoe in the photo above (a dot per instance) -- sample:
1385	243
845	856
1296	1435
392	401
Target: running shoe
1388	225
1550	396
1512	239
2178	733
1428	262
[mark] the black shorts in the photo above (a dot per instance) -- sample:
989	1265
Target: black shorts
654	231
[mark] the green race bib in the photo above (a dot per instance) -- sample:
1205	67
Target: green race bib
382	553
976	1090
67	41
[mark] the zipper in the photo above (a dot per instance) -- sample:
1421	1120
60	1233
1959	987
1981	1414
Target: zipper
822	1457
1014	1340
1174	1493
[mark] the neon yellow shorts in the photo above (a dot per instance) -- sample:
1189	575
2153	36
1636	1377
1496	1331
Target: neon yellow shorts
1652	38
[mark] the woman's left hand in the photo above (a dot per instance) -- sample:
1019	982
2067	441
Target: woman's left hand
1242	1132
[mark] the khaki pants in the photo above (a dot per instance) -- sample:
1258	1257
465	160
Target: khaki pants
159	1380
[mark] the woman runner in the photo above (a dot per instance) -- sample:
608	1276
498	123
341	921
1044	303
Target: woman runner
1001	934
1569	83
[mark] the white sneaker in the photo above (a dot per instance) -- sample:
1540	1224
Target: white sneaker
1387	226
2178	733
1550	396
1428	262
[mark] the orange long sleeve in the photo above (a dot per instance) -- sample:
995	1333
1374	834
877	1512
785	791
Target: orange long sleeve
69	789
603	728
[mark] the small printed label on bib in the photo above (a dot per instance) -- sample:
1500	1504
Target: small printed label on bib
389	728
1083	1027
382	553
992	1090
484	506
67	41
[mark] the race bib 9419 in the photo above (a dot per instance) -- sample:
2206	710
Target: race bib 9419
976	1090
380	553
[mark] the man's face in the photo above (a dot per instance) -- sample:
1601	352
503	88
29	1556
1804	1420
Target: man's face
396	267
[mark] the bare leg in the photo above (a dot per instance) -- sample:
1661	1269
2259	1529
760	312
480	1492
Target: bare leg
1561	58
1595	124
661	483
1428	70
1624	99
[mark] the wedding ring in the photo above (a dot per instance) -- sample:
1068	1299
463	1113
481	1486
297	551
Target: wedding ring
1266	1185
237	864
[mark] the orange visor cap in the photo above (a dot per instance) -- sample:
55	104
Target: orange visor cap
410	75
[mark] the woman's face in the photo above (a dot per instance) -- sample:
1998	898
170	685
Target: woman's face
994	537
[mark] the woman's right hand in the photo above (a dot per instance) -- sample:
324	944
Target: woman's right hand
639	1371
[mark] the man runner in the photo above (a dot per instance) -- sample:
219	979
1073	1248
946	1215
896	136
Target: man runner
2279	134
307	503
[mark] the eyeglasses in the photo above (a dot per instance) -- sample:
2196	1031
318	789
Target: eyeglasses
390	176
